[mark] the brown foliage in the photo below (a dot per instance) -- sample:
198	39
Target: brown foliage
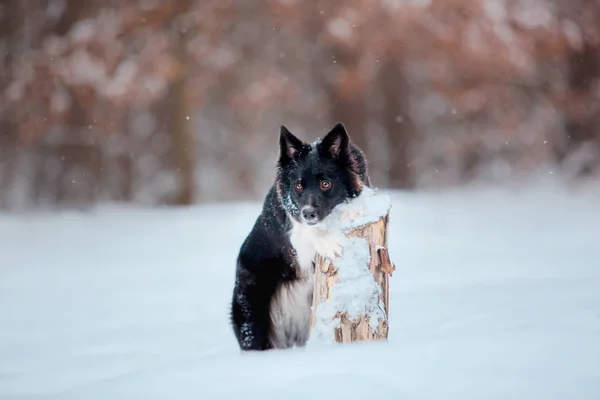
435	91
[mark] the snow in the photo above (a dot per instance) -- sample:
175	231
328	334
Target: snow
368	207
340	28
572	33
534	14
495	295
495	10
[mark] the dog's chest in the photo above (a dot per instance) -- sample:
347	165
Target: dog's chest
290	313
302	240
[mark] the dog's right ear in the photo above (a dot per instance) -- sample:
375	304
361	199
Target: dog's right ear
337	141
289	145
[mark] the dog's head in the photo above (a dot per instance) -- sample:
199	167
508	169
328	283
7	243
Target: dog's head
313	178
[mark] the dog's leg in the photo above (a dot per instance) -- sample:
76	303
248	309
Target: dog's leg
250	314
328	244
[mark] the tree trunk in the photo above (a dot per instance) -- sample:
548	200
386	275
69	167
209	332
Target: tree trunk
582	112
9	146
397	122
348	108
183	143
181	125
358	328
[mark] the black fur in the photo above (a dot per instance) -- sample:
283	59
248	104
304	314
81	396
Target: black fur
267	259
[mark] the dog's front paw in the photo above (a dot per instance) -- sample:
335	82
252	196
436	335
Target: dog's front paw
349	215
330	245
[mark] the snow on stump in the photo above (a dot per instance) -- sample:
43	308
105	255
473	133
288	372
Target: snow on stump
351	296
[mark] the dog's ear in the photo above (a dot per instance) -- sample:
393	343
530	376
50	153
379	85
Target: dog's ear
337	141
289	145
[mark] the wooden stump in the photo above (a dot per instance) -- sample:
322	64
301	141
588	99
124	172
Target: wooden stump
361	327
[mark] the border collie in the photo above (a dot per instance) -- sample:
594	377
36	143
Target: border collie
272	296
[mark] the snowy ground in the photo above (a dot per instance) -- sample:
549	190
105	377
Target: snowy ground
496	296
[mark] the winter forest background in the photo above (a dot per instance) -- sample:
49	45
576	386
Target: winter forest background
180	101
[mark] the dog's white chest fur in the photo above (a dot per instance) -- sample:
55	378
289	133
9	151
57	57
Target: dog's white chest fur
290	307
290	314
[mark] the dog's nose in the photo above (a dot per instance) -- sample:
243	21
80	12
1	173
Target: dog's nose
309	214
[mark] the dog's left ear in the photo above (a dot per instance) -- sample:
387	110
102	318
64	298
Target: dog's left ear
289	145
337	141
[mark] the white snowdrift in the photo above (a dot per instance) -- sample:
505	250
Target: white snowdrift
495	296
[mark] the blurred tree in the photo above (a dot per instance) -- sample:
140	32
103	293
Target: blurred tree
396	120
183	143
579	148
10	17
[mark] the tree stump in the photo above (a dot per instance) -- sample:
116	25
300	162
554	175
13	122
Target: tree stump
354	308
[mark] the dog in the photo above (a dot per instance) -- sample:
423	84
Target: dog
272	295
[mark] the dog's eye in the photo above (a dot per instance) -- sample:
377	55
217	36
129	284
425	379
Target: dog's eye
325	185
298	186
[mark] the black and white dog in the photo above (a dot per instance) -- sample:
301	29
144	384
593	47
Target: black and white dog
273	285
